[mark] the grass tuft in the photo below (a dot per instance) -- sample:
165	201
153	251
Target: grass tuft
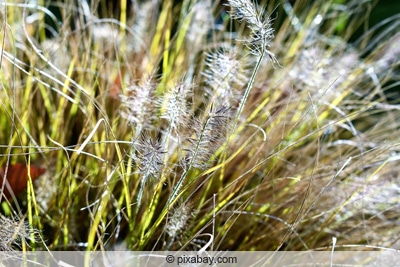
197	125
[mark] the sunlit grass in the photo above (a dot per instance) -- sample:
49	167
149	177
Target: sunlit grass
255	127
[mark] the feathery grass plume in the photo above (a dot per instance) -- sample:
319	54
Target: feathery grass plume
15	233
176	223
209	136
148	156
258	22
200	24
176	105
177	113
262	34
138	105
316	67
224	73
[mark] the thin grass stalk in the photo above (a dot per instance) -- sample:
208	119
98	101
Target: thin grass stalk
262	33
191	163
248	89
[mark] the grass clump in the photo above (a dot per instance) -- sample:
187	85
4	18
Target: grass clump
260	127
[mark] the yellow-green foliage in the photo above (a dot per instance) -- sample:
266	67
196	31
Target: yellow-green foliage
260	126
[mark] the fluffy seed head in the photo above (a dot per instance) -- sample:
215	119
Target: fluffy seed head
149	157
223	74
209	137
176	111
138	104
262	32
177	221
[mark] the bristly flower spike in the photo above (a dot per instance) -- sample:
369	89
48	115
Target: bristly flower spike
262	32
150	161
262	35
